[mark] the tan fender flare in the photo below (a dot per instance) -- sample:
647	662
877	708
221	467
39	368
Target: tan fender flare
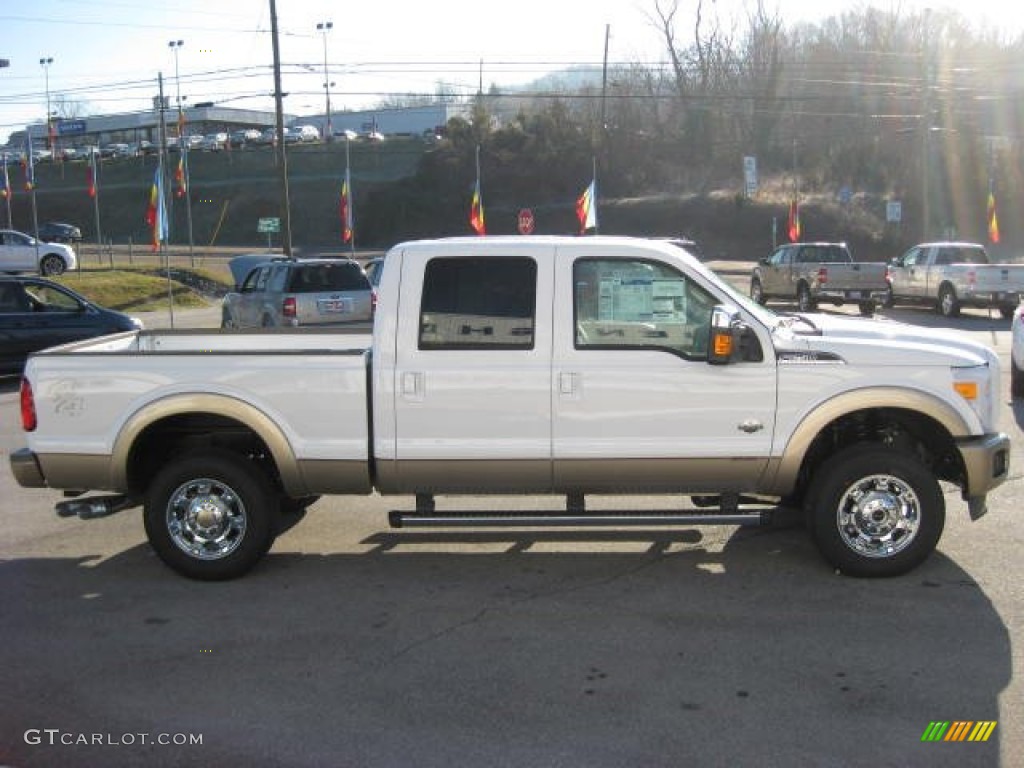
228	407
788	466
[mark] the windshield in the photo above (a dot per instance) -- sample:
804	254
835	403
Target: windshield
763	314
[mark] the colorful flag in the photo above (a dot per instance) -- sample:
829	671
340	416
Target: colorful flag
586	208
5	190
346	210
179	175
30	169
90	175
993	220
156	212
794	221
476	211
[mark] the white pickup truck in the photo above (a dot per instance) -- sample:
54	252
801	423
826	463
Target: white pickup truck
951	275
526	365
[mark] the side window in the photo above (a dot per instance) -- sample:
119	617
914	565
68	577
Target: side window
780	257
944	256
626	304
478	303
277	279
49	299
909	259
261	278
250	281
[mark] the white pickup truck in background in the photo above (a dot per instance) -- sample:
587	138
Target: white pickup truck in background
951	275
808	273
526	365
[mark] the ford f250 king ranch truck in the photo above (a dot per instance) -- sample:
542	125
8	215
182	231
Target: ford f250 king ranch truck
808	273
951	275
525	365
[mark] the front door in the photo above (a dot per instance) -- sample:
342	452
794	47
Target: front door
636	405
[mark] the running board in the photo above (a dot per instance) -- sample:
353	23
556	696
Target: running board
596	518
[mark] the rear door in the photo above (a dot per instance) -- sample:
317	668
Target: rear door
777	272
472	379
249	305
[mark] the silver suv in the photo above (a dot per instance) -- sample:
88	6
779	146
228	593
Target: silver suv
292	293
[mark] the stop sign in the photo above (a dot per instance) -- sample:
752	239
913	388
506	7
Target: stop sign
525	220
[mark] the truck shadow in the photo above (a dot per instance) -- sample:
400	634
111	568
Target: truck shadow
505	648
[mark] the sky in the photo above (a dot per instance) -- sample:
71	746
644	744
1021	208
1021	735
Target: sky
107	54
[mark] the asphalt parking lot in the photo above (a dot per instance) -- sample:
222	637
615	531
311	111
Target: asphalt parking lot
353	644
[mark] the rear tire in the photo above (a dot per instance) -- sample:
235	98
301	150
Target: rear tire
804	302
757	291
948	304
875	511
867	308
211	515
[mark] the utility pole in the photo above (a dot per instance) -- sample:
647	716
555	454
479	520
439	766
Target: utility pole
325	27
926	129
282	156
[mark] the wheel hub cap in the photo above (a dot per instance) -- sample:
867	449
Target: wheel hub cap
879	516
206	519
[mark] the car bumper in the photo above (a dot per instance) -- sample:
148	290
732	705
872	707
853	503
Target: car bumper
26	470
987	464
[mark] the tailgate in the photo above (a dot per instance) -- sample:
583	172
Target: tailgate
859	276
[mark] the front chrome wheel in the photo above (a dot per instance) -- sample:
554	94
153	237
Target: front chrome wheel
879	516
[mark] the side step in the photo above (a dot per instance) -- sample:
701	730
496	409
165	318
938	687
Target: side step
93	507
542	519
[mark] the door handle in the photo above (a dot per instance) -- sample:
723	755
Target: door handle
412	384
567	384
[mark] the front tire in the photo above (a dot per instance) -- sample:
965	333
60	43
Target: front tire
211	516
875	511
804	302
757	291
1016	380
52	265
867	308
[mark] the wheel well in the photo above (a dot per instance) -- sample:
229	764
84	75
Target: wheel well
183	433
906	430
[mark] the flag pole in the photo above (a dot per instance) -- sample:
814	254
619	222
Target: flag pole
95	207
188	198
351	210
593	180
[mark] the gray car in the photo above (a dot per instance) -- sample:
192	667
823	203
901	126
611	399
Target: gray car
287	293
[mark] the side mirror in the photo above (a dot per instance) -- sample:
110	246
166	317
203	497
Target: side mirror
763	261
726	328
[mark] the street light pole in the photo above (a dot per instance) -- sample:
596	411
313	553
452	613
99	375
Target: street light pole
45	64
325	27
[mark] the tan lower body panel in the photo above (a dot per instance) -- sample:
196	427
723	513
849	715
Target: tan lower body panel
577	476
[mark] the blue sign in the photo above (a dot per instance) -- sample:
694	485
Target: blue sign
70	127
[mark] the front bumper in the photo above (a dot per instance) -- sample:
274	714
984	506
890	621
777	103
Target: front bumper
987	464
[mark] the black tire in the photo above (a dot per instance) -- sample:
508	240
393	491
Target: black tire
51	265
757	291
948	305
1016	380
225	319
875	511
867	308
804	302
889	299
1006	311
241	507
267	322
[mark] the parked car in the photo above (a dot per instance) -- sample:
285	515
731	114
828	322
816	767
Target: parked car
267	138
36	313
282	292
1017	352
22	253
307	132
813	272
244	136
59	232
292	136
214	142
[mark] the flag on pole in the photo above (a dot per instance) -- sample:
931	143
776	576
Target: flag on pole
476	211
30	170
346	210
156	213
90	175
586	208
179	174
5	190
794	221
993	220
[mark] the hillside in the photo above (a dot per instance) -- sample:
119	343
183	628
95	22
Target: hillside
232	190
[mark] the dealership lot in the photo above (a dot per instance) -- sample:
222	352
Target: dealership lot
355	644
